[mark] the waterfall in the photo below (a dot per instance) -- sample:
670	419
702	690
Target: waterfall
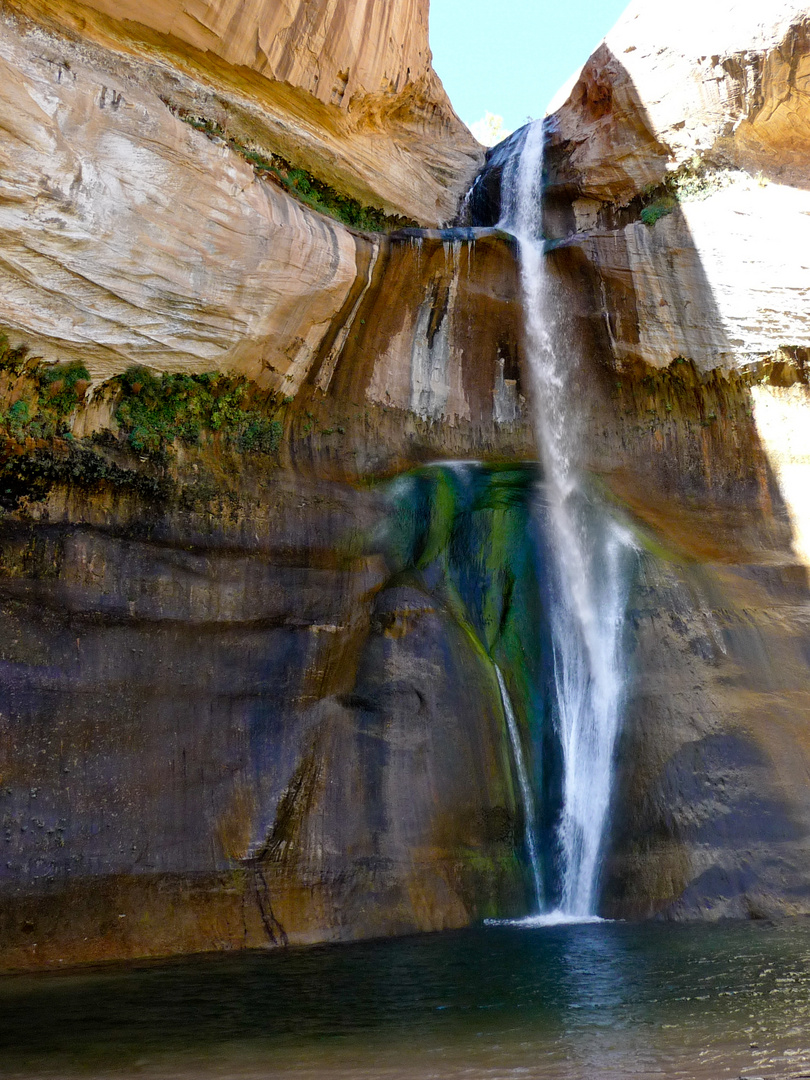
529	816
588	554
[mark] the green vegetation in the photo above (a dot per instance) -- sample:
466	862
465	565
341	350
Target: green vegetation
697	180
12	360
693	181
155	411
46	398
62	387
308	189
658	209
39	451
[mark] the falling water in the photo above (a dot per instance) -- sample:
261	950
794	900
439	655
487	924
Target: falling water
525	790
588	554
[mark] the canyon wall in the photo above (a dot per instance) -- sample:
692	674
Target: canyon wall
676	211
130	236
343	90
236	707
234	710
247	683
252	709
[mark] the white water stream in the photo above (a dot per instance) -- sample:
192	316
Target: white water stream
589	554
530	834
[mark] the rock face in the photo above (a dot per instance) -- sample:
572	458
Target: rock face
674	187
342	89
130	237
335	52
674	163
702	132
306	705
727	83
258	710
247	671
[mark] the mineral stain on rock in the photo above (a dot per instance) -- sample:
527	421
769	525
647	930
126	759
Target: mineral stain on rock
311	749
249	626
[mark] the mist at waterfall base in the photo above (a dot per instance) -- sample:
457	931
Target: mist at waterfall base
612	1001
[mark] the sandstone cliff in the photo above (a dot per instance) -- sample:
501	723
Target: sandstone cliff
281	721
205	379
249	708
129	236
676	204
344	90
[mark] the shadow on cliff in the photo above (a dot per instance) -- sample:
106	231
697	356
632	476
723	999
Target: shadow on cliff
711	810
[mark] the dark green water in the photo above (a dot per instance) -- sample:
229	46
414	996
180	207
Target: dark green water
598	1001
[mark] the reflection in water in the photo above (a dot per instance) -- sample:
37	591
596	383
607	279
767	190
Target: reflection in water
603	1029
558	1003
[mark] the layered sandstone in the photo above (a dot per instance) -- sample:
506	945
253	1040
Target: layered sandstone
249	712
130	237
284	725
685	160
329	794
335	51
343	90
676	172
725	82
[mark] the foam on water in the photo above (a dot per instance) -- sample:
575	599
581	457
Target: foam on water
547	919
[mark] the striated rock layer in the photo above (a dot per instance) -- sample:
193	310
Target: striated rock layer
342	89
238	705
249	713
127	236
677	201
272	723
335	51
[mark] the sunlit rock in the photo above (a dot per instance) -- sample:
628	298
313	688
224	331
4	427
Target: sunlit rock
344	90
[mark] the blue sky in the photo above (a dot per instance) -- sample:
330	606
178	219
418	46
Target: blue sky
510	58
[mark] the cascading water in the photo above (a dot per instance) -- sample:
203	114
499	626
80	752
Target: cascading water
588	552
525	790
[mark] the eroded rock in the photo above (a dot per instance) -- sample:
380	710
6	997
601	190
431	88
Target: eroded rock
345	90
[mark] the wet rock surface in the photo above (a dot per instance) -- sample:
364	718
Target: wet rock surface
259	717
247	693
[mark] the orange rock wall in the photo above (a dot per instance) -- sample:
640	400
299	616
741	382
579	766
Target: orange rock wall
335	50
344	90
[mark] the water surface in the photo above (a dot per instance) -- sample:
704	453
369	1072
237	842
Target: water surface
604	1000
